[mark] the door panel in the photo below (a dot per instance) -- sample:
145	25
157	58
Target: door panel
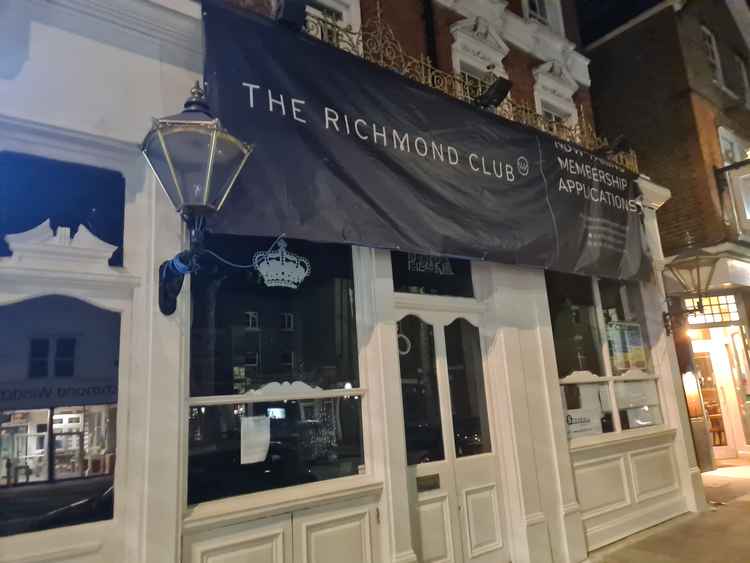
456	509
263	541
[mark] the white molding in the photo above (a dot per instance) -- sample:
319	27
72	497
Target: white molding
145	18
350	10
41	248
532	37
620	439
654	195
48	141
535	518
462	306
53	556
243	508
674	486
477	43
606	509
555	19
554	85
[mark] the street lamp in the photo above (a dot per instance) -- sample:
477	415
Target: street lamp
196	162
693	268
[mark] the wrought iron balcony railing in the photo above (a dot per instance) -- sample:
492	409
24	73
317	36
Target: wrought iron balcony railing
376	42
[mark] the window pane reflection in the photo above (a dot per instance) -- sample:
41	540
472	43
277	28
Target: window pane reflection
468	400
246	335
285	443
424	433
58	389
574	324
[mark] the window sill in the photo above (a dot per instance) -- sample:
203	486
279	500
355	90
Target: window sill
619	438
237	509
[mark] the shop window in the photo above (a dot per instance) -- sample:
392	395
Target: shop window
251	437
602	355
57	434
434	275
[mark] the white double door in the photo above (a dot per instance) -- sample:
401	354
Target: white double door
454	486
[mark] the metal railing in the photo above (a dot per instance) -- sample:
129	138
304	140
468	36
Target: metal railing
377	43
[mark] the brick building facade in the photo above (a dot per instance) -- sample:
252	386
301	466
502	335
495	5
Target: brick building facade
675	129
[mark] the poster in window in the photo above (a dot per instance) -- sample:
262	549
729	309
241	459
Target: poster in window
626	346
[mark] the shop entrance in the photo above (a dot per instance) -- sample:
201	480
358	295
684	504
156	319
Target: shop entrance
721	360
454	485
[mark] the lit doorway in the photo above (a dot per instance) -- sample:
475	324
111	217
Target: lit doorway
721	360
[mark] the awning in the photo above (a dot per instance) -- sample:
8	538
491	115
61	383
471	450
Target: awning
350	152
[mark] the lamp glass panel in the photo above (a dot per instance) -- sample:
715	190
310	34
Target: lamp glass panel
189	148
154	152
228	156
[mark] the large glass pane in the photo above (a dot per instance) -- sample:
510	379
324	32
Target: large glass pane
638	402
471	426
245	448
419	388
247	336
434	275
623	318
588	409
58	393
574	323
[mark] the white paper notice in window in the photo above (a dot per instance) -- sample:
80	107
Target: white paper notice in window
255	437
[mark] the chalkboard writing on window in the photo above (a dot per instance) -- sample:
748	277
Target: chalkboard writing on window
433	275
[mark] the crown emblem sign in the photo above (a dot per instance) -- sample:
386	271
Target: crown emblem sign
280	268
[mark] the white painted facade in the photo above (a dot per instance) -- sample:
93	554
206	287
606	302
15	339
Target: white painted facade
80	81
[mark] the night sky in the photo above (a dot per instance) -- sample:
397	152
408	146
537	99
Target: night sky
596	18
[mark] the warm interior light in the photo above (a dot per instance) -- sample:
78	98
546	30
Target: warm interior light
692	394
695	334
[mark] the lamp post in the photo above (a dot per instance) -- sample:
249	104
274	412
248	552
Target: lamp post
196	162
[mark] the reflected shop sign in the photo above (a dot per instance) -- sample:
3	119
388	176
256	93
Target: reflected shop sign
353	153
56	392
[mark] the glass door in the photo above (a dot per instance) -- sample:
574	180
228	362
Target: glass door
455	494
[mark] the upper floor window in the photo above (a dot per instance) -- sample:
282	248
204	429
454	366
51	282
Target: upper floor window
538	10
712	55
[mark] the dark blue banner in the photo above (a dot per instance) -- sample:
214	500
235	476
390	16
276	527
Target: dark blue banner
348	152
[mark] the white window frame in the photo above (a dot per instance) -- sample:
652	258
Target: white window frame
478	48
554	91
351	14
713	57
554	17
608	377
742	65
287	322
301	391
253	320
740	146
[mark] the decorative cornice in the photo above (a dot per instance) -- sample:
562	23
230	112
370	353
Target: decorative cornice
21	135
41	248
151	19
530	36
654	195
476	39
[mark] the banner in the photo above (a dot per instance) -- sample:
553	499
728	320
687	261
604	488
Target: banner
349	152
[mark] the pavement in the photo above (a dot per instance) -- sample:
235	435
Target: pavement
719	535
